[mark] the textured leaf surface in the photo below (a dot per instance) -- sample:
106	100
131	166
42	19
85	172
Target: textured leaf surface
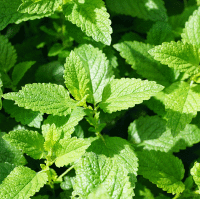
152	134
5	169
181	103
30	142
124	93
152	165
19	71
145	9
25	116
195	172
76	78
8	54
191	32
184	57
9	13
39	7
66	124
136	54
93	171
119	149
9	153
22	183
98	71
46	98
92	17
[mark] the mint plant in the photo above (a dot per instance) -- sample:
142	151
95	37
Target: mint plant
83	69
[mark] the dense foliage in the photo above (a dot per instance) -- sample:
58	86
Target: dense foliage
99	99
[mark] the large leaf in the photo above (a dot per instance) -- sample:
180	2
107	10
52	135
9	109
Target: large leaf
5	169
22	183
101	173
145	9
184	57
136	54
181	103
30	142
119	149
123	93
92	17
152	165
46	98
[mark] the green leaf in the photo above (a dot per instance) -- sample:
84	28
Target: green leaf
184	57
191	34
19	71
8	54
76	78
144	9
39	6
181	103
9	153
5	169
1	92
25	182
92	17
69	150
152	165
9	13
97	71
99	193
195	172
136	54
46	98
119	149
30	142
123	93
101	173
66	124
159	33
25	116
151	133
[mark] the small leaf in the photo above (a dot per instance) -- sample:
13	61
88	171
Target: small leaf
195	172
22	182
123	93
152	165
46	98
101	173
30	142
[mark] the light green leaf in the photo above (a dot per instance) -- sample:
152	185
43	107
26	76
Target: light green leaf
19	71
136	54
25	116
97	71
76	78
25	182
93	172
99	193
159	33
191	34
69	150
9	13
152	165
66	124
30	142
9	153
181	103
151	133
39	6
195	172
119	149
8	54
145	9
92	17
46	98
184	57
123	93
5	169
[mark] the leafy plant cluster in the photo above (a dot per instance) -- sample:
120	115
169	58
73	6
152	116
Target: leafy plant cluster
99	99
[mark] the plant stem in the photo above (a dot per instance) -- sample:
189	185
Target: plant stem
64	173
